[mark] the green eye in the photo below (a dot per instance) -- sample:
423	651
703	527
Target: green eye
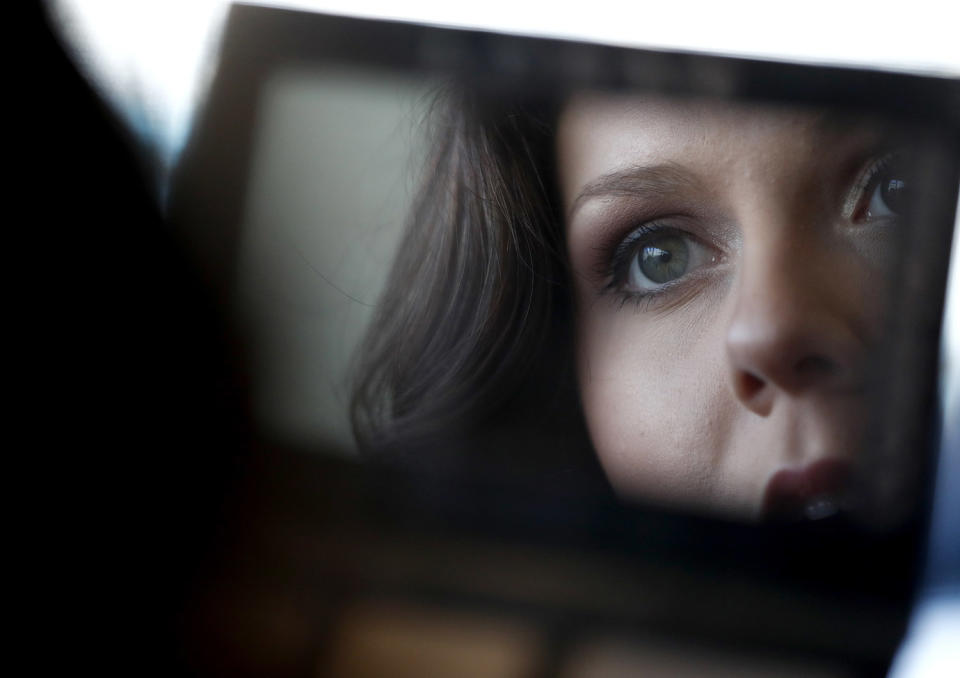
659	261
657	255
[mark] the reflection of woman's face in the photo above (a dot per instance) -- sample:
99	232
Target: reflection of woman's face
729	263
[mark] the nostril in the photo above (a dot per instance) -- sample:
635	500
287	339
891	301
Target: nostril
753	391
749	385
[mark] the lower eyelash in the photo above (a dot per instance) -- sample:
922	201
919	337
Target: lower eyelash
642	302
671	295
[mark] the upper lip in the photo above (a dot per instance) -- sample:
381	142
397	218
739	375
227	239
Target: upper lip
806	493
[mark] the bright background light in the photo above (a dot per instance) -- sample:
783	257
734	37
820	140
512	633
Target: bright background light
150	59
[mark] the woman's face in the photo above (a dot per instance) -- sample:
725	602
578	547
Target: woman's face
730	264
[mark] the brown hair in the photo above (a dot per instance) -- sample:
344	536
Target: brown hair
470	350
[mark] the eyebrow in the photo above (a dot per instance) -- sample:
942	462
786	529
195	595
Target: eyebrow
643	181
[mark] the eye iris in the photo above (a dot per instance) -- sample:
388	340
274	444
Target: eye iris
894	193
664	260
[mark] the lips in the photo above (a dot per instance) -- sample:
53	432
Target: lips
812	492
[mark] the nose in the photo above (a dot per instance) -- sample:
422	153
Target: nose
796	328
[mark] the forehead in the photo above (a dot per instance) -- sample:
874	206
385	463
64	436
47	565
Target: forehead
602	133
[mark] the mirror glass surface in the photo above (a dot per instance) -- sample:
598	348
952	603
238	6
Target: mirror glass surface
707	299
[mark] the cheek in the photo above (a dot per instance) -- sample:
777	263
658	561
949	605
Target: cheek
656	401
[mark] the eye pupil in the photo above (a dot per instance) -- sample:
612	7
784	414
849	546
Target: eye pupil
664	260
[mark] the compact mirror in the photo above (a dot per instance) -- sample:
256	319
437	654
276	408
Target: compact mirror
686	281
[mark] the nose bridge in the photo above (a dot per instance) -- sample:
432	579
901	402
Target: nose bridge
778	287
791	330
